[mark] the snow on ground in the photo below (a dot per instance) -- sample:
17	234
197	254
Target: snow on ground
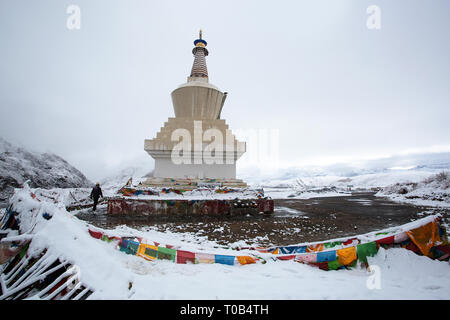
363	181
402	275
397	273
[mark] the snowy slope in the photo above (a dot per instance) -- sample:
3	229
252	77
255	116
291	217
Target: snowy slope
434	190
43	170
364	174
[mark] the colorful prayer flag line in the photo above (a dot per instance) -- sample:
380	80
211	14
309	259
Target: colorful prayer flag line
425	237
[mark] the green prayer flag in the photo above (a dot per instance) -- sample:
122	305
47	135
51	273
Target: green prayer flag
332	244
166	253
381	233
366	250
105	238
23	252
334	265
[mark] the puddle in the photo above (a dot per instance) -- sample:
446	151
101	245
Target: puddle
288	212
364	202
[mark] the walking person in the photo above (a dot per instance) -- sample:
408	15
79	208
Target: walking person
95	194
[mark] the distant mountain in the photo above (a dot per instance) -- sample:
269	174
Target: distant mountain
44	170
435	188
367	174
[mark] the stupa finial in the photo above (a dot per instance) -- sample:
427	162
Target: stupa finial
199	69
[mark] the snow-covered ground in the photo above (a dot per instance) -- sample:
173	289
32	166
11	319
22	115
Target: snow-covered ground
401	274
395	273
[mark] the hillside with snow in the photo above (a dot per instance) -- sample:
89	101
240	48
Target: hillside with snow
44	170
361	174
434	190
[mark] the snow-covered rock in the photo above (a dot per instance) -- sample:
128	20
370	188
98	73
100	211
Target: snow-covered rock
44	170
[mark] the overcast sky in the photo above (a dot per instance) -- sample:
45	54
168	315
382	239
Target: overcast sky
334	89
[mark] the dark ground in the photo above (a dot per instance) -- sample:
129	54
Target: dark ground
294	220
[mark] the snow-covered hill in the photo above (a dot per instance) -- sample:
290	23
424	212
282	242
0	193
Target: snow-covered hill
376	173
318	181
44	170
434	190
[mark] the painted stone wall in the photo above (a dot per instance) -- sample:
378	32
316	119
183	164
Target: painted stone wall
122	206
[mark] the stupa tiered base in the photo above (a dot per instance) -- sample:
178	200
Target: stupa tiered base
191	184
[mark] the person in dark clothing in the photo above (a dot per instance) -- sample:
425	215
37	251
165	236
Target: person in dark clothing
95	194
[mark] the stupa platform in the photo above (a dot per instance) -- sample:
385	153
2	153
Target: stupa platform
177	202
189	208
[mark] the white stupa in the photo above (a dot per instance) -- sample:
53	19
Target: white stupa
196	146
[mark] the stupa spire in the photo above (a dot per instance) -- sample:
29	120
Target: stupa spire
200	52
